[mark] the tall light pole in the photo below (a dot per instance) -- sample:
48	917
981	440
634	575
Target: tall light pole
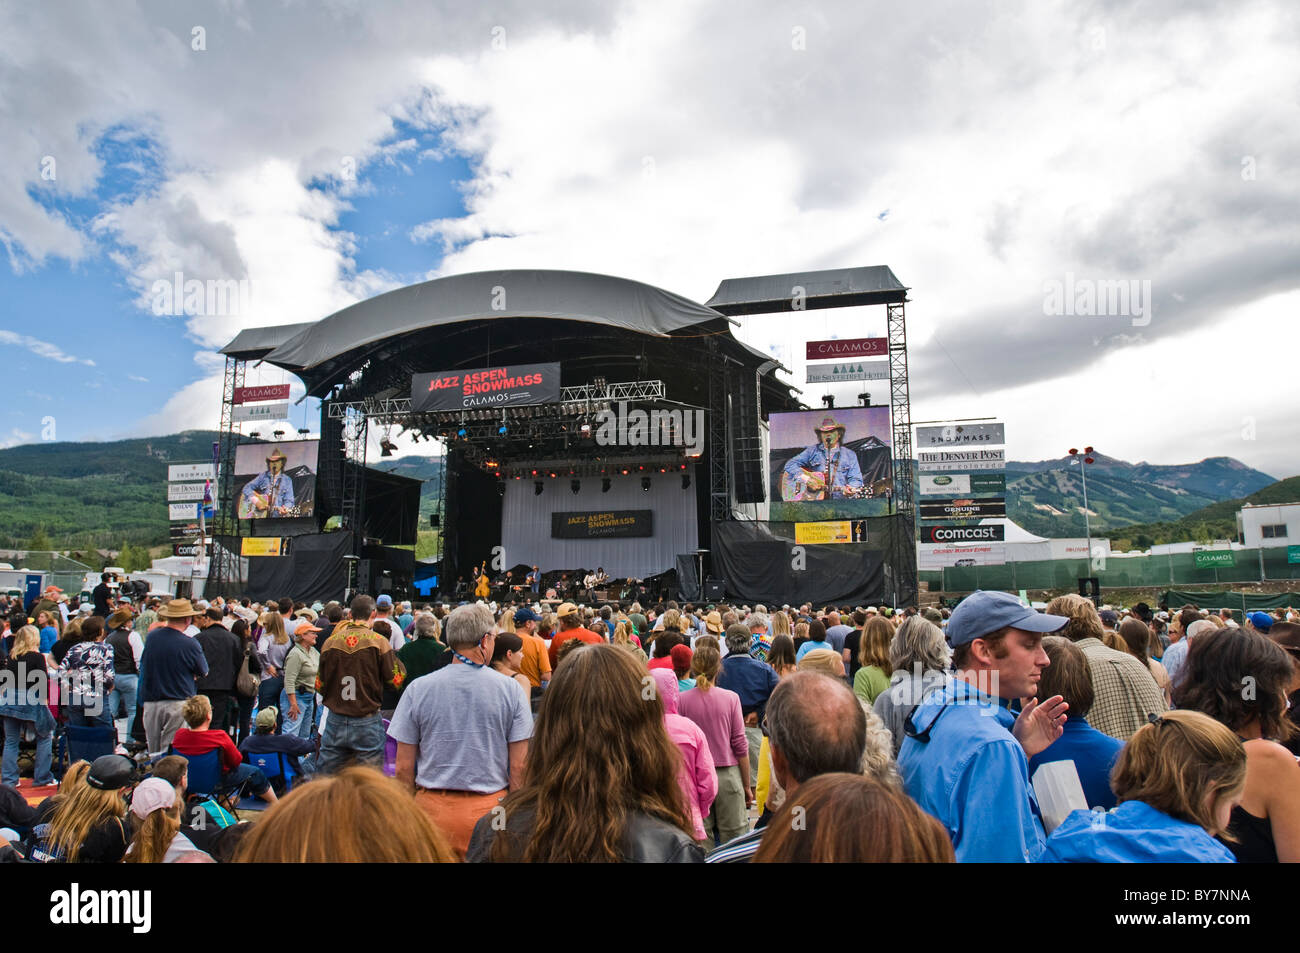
1083	472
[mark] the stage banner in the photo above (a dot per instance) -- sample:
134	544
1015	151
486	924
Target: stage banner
261	546
961	435
941	460
256	412
850	347
514	386
191	471
1211	559
962	484
244	395
830	531
964	509
963	534
600	525
848	371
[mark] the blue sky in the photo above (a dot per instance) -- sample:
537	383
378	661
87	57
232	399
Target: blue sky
993	152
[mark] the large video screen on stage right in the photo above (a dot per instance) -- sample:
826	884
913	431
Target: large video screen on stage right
276	480
829	464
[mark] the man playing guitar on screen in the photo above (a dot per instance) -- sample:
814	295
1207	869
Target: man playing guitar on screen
826	470
270	493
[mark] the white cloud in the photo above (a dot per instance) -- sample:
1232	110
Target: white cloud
680	144
42	348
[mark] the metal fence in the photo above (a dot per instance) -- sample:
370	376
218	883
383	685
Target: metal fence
1130	572
66	573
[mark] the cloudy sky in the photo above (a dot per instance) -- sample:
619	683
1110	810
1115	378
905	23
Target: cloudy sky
991	154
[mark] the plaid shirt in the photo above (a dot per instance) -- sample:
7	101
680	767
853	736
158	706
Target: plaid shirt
1125	691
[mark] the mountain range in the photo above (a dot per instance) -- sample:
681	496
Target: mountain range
104	494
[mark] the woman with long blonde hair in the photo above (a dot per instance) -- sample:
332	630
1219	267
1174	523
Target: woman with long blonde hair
20	706
158	838
88	826
623	639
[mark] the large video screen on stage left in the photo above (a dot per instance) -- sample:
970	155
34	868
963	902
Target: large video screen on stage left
276	480
829	464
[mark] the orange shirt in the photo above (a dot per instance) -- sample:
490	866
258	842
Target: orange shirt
585	635
536	664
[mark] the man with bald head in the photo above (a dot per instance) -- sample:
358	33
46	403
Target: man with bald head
814	726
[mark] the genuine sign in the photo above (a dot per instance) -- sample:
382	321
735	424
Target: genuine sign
514	386
964	509
602	524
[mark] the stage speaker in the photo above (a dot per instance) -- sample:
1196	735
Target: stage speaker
1090	588
715	590
366	575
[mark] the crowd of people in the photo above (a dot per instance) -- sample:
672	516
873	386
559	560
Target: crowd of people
379	730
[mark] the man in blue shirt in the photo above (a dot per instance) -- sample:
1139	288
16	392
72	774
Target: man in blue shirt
965	760
829	465
169	665
753	681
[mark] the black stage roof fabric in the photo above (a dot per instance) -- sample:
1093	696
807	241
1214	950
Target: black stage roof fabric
566	295
837	288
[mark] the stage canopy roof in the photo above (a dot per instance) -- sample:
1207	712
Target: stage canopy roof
564	295
837	288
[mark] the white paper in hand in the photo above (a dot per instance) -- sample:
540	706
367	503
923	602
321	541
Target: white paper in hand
1057	787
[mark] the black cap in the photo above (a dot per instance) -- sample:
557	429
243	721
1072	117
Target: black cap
111	772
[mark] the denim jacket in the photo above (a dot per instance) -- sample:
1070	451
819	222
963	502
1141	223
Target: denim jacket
963	766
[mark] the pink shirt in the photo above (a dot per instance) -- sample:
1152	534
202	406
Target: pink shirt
717	712
697	777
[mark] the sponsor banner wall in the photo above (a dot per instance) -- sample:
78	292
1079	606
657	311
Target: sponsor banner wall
248	412
963	484
513	386
830	531
180	532
601	525
244	395
188	511
961	435
191	471
964	509
850	347
964	534
848	371
1211	558
191	549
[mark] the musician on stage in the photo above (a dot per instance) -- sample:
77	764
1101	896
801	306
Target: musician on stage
483	589
589	583
534	580
271	492
827	463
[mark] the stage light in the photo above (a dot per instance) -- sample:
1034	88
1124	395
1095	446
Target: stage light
605	485
686	481
386	447
575	486
866	399
552	475
645	483
584	430
303	430
255	435
278	434
537	488
501	489
625	471
829	401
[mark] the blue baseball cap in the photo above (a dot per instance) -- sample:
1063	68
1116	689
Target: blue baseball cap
525	614
982	613
384	600
1261	620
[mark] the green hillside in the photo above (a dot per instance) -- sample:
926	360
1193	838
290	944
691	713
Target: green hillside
1050	502
1215	521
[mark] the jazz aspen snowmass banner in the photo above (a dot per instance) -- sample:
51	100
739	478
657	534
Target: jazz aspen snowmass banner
514	386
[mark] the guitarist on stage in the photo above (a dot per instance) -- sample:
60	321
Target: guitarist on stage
827	466
270	493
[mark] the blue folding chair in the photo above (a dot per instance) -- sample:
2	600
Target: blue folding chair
274	765
204	772
85	743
